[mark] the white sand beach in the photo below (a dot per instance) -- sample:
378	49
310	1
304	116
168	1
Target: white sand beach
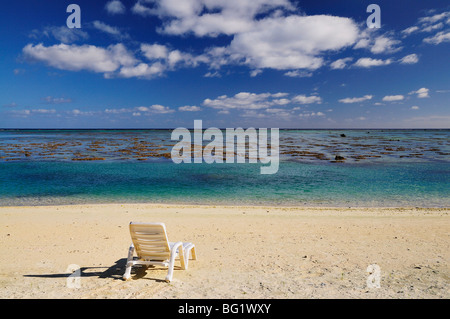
243	252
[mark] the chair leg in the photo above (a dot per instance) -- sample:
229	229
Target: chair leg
193	254
127	273
169	273
173	254
189	251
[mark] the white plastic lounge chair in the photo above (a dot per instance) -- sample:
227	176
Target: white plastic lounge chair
153	248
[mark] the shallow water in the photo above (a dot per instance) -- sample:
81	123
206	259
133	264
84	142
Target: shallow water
380	168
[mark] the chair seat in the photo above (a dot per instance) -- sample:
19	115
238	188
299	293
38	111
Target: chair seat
186	244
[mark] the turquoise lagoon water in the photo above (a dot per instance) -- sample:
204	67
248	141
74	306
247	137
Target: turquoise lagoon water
388	168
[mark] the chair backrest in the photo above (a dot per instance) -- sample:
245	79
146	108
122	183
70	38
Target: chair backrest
150	241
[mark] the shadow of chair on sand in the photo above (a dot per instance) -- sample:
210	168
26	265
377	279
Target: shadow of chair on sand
115	271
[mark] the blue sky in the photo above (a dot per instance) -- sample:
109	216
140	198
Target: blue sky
234	63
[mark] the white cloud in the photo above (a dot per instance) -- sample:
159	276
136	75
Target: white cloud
340	63
142	70
369	62
56	100
109	29
265	34
433	27
154	51
298	74
280	94
294	42
356	99
137	111
415	107
254	73
410	30
281	101
429	24
207	18
44	111
20	113
242	100
84	57
113	61
443	36
26	113
176	57
160	109
217	57
409	59
142	10
393	98
384	44
277	111
311	114
435	18
189	108
77	112
115	7
377	44
421	93
254	101
170	58
214	74
364	41
117	111
62	34
278	41
303	99
428	28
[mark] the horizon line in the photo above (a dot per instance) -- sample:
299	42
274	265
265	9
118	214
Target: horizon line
141	129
